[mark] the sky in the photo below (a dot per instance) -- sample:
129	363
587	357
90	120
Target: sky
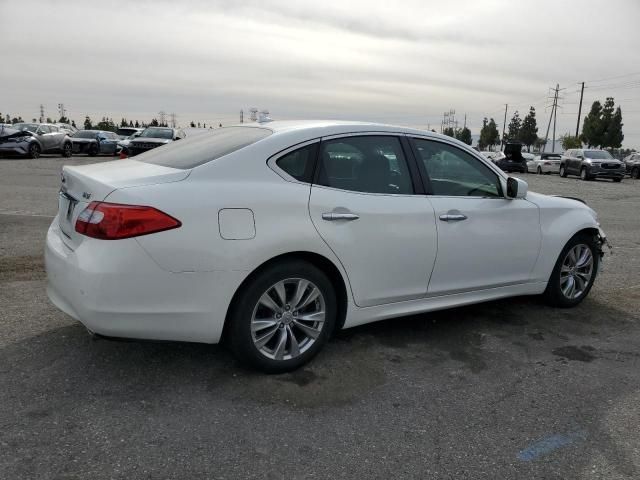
402	62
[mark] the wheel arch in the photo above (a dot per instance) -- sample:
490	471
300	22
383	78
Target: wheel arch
323	263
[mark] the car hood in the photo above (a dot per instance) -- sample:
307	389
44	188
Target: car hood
8	133
559	202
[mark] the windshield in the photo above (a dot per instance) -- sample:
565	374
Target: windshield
85	134
597	154
31	127
200	149
553	156
158	133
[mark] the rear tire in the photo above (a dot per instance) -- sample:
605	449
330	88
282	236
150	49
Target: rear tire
556	291
617	180
539	170
271	305
563	171
635	172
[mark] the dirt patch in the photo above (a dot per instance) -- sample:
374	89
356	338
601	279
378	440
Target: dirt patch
580	354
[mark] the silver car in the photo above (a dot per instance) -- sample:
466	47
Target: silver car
32	139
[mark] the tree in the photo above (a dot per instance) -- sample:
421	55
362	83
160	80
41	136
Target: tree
154	122
137	125
529	130
87	123
449	132
539	143
192	124
49	120
123	122
63	119
73	124
613	135
493	135
483	141
592	131
569	141
1	118
514	127
130	123
464	135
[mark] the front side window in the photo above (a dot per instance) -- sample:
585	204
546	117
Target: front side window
299	163
43	129
456	173
371	164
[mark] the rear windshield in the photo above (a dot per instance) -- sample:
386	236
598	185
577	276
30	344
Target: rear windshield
85	134
199	149
553	156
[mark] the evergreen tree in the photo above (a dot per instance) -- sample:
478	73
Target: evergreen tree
592	131
87	123
154	123
529	131
448	131
513	130
493	135
73	124
613	136
483	142
464	135
137	125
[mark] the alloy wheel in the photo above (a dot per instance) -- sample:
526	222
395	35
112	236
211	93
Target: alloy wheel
288	319
576	271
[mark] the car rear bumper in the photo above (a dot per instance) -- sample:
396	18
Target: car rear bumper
115	289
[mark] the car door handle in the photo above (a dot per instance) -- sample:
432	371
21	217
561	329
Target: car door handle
331	216
453	217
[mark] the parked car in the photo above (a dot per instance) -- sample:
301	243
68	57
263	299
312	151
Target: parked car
123	144
153	137
32	139
280	234
545	162
493	156
513	160
125	132
95	142
590	164
632	165
67	127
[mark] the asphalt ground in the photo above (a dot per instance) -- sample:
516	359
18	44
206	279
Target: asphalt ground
508	389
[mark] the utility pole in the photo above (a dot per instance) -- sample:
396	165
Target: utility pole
241	116
173	119
579	110
465	121
504	124
554	107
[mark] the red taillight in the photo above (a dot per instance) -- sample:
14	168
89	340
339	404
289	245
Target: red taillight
113	221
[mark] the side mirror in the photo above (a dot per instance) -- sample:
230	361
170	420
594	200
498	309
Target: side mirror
516	188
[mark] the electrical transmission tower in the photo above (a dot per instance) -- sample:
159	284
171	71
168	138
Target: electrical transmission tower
174	117
163	117
61	110
552	116
448	120
41	113
254	114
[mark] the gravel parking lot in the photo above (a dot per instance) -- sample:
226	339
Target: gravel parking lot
508	389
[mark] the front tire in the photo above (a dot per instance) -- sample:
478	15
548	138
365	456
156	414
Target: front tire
282	317
66	150
584	175
574	272
34	150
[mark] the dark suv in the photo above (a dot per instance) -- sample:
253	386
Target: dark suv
590	164
632	165
513	160
153	137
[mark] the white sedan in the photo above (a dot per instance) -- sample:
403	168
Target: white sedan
545	163
272	236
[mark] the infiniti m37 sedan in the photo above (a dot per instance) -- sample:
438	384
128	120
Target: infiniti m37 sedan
271	236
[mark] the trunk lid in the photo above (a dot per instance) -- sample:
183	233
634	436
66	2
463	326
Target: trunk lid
81	185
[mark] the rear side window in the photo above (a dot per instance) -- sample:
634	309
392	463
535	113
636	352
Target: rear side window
203	148
370	164
299	163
